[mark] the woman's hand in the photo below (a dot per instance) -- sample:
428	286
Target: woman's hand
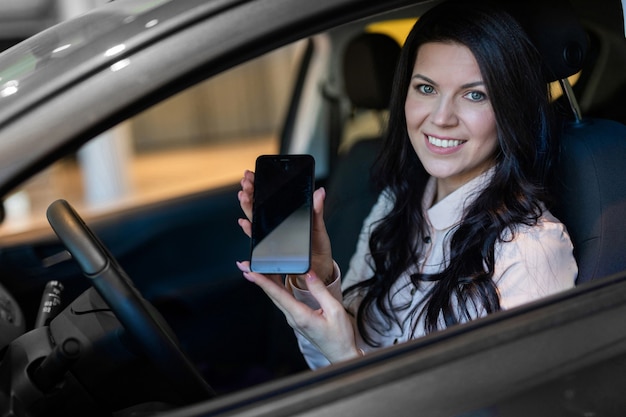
246	198
321	256
329	328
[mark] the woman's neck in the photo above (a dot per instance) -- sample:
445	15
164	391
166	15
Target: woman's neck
446	186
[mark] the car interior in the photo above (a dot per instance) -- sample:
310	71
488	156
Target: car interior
219	350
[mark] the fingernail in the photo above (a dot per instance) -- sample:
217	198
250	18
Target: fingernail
247	276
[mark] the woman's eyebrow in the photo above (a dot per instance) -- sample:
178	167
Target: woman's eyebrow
474	84
425	78
468	85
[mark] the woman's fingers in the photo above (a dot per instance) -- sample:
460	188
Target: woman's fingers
298	314
336	337
318	289
272	286
333	310
246	198
329	327
246	195
246	226
244	266
318	206
321	254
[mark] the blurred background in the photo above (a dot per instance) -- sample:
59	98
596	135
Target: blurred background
208	134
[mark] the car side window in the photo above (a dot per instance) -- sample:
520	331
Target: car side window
200	139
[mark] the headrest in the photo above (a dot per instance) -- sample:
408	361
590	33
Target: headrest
369	64
556	32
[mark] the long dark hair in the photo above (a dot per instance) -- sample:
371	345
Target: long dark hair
511	70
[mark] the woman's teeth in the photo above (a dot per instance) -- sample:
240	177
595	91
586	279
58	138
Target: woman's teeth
444	143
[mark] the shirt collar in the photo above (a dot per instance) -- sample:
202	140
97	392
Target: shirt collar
449	211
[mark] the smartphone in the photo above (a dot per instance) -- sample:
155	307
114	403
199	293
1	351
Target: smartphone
282	214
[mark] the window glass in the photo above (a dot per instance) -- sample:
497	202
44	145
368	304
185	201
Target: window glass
200	139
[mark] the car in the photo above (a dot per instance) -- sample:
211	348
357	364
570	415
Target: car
121	298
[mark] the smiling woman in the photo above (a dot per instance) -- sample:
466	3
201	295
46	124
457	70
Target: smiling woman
476	238
460	229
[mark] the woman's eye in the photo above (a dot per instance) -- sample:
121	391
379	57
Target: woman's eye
476	95
426	89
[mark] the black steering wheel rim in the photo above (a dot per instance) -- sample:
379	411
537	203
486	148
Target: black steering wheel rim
139	318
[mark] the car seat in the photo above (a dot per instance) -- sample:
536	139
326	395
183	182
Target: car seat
602	85
591	195
368	66
590	185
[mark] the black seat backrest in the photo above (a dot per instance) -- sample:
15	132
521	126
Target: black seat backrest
350	198
591	195
368	66
369	62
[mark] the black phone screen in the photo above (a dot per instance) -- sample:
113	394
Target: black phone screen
282	214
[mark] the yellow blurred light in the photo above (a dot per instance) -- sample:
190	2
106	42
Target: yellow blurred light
555	87
398	29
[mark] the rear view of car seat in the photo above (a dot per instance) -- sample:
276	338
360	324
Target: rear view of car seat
369	63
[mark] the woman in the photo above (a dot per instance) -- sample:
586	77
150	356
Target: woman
460	229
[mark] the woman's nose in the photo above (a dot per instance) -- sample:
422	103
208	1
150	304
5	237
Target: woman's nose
444	112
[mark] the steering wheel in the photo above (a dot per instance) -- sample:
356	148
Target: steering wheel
140	319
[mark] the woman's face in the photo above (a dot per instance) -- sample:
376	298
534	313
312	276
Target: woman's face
449	117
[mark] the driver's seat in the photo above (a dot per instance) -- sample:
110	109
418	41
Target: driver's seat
590	184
